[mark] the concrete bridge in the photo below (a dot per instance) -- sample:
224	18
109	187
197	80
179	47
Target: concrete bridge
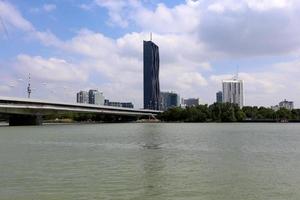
30	112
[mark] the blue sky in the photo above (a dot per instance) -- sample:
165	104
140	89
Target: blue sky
72	45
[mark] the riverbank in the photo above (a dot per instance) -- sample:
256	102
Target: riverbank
226	112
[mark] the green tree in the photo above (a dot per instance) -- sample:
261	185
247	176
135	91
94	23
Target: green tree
228	113
296	114
240	116
283	114
266	113
216	111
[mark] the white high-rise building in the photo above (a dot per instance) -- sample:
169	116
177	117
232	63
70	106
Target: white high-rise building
233	91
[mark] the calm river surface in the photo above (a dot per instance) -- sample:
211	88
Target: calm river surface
151	161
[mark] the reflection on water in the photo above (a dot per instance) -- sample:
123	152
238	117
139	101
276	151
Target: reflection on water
151	161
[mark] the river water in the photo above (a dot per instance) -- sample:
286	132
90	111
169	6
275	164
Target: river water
151	161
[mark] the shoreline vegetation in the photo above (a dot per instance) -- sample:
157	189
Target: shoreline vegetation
227	112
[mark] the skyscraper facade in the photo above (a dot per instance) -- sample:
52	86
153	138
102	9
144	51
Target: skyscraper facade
151	76
169	100
233	91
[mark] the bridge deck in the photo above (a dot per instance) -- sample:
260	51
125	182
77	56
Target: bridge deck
10	105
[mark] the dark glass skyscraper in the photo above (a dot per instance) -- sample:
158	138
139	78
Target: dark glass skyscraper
219	97
151	76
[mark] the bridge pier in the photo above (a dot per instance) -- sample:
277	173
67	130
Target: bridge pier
25	120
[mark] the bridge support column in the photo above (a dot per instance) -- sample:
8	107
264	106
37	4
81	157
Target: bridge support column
25	120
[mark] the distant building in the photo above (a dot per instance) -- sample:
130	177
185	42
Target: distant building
151	76
219	97
284	104
82	97
169	100
233	91
191	102
127	105
119	104
96	97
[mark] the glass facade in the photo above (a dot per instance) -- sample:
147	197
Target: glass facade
151	76
219	97
169	100
118	104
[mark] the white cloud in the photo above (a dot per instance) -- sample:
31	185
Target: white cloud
45	8
263	5
90	44
49	7
52	69
183	18
14	21
190	80
216	7
234	28
251	28
86	7
47	38
206	66
12	17
117	10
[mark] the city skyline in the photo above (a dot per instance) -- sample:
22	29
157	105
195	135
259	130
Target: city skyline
101	47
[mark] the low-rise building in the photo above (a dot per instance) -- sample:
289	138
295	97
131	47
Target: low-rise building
119	104
190	102
287	104
284	104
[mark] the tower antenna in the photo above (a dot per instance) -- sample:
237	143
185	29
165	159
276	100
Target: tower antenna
150	36
29	87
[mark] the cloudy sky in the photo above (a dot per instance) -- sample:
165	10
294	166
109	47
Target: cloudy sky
72	45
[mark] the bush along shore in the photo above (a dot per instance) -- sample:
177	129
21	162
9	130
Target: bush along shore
227	112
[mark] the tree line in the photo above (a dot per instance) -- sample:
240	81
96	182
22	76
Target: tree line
227	112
